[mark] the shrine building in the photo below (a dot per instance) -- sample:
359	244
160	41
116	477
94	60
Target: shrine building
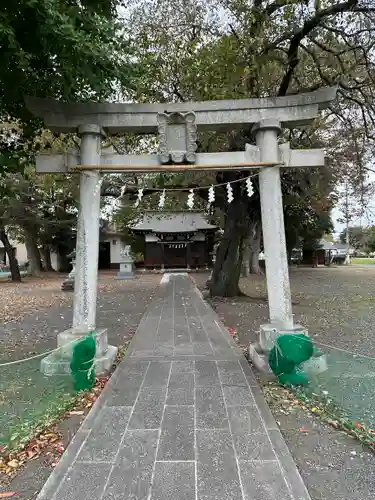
176	240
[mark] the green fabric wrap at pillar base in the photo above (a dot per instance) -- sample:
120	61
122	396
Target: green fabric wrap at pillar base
82	364
288	353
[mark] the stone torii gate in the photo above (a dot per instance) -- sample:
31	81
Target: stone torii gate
177	125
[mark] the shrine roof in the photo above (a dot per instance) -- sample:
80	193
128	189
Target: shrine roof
173	222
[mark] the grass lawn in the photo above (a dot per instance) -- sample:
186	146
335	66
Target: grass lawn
29	401
363	260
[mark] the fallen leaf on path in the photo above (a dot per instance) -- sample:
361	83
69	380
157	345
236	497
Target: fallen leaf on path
7	494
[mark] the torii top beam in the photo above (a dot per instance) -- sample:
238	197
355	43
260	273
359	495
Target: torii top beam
291	111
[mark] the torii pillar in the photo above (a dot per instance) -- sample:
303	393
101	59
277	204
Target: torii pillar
177	125
278	287
86	267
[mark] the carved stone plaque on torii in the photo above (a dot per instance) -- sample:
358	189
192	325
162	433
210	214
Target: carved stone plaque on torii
177	125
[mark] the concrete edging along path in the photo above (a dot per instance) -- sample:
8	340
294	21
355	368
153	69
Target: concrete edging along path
182	418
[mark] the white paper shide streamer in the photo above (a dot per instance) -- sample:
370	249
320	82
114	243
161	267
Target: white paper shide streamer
230	197
190	199
211	195
162	200
139	197
249	187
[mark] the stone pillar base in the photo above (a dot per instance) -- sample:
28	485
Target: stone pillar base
54	364
258	352
126	271
260	361
58	362
268	334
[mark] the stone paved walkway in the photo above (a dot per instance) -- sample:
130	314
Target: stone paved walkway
182	418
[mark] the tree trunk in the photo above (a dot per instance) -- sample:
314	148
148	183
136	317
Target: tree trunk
63	261
33	254
13	262
255	249
227	269
251	250
246	257
47	258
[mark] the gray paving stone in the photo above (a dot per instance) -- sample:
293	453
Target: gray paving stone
84	482
263	481
173	481
294	480
198	334
231	373
163	350
130	375
177	434
142	353
202	348
146	416
105	437
64	465
131	476
223	350
183	350
179	343
263	408
206	374
250	446
245	419
182	337
148	410
183	367
210	408
217	473
165	335
237	395
152	395
122	395
248	373
157	374
181	389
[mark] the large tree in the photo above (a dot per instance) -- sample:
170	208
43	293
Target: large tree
259	48
59	48
62	49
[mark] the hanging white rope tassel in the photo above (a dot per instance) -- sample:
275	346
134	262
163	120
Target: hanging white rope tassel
139	197
211	196
249	187
162	200
190	199
229	193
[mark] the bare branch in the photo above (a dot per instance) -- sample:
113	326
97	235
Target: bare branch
278	4
309	26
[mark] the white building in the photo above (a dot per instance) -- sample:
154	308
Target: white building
109	252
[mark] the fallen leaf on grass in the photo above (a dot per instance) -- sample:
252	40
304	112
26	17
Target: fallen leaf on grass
48	441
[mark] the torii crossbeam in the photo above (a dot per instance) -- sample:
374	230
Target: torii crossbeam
177	126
